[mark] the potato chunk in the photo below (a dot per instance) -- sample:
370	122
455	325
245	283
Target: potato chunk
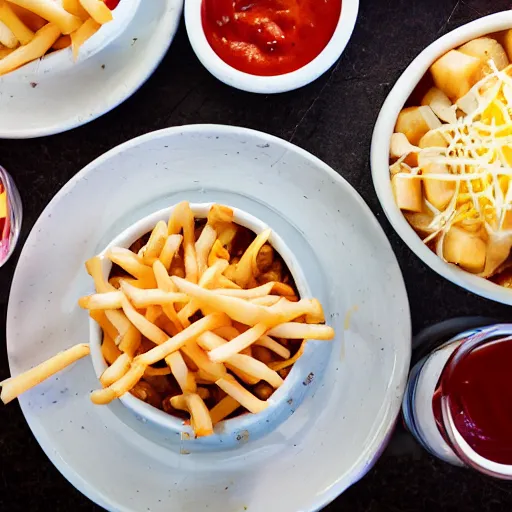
438	192
407	192
433	139
455	73
465	249
485	49
440	105
414	122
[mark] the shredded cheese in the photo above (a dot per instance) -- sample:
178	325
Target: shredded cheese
478	159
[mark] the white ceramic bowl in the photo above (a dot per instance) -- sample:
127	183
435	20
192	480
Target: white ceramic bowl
269	84
283	402
380	153
63	60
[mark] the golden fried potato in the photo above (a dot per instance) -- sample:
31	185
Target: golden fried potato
438	192
407	192
465	249
414	122
455	73
486	49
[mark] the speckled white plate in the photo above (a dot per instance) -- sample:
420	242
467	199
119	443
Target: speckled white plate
331	440
51	96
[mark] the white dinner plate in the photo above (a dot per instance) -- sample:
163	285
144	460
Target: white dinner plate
337	433
41	100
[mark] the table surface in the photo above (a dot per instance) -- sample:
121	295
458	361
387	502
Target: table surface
332	118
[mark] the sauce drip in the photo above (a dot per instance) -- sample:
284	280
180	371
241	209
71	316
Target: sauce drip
480	392
112	4
269	37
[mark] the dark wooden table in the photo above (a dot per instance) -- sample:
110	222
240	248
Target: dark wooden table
333	118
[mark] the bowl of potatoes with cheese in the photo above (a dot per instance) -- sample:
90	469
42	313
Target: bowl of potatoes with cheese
442	156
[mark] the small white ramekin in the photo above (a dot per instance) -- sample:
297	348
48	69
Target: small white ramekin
62	60
380	153
232	432
269	84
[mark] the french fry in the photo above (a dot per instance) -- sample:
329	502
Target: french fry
236	345
217	252
32	20
106	325
245	364
146	328
7	37
199	415
165	283
245	398
243	269
256	369
268	300
207	323
282	289
131	341
62	43
273	345
224	282
119	320
93	267
204	245
120	387
227	234
109	300
85	32
193	351
21	32
144	298
15	386
183	218
238	309
97	10
205	281
53	12
179	369
4	51
299	331
116	282
109	350
252	293
171	246
218	214
280	365
74	7
223	409
155	243
156	372
132	264
116	370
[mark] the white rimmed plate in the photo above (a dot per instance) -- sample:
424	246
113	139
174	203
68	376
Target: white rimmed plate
51	97
340	429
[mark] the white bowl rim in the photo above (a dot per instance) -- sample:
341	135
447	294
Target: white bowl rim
380	153
269	84
161	418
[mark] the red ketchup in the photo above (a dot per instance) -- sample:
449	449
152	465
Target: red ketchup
269	37
479	388
112	4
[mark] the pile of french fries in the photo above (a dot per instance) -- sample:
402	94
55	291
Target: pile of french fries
200	319
31	28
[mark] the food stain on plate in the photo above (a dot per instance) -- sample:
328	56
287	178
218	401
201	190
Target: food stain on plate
346	327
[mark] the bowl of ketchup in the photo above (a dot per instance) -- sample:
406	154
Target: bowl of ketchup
269	46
